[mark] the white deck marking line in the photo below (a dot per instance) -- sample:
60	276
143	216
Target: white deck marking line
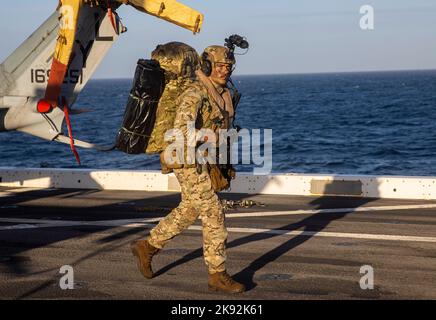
23	190
4	195
19	226
13	192
143	223
294	212
336	210
365	236
106	223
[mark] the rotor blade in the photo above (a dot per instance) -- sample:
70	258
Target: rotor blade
171	11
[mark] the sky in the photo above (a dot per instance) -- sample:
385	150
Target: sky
285	36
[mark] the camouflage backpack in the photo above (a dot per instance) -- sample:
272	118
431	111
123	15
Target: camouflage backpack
180	62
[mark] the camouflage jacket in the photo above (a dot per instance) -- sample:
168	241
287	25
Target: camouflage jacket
196	106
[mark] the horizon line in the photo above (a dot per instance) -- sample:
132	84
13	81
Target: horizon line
300	73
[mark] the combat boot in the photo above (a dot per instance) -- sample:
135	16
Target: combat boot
221	281
144	252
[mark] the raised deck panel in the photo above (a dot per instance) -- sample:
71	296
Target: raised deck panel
389	187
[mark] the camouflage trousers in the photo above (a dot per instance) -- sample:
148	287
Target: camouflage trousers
198	200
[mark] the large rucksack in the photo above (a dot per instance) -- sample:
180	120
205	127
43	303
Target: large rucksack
180	62
151	107
140	112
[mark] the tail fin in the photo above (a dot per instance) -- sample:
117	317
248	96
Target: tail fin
34	54
24	74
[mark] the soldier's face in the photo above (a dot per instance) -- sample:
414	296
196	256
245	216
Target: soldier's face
221	73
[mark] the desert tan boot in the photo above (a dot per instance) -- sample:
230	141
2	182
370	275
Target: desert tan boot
144	252
221	281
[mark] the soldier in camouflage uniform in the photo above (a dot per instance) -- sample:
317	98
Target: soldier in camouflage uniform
206	102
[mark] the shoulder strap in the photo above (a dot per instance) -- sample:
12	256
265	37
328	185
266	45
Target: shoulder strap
224	102
211	89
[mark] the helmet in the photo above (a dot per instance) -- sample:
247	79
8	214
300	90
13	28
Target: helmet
215	54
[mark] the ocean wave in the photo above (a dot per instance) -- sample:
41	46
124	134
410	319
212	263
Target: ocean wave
343	123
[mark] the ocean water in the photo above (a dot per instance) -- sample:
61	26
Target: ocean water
381	123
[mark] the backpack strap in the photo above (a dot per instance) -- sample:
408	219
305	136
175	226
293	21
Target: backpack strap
224	101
